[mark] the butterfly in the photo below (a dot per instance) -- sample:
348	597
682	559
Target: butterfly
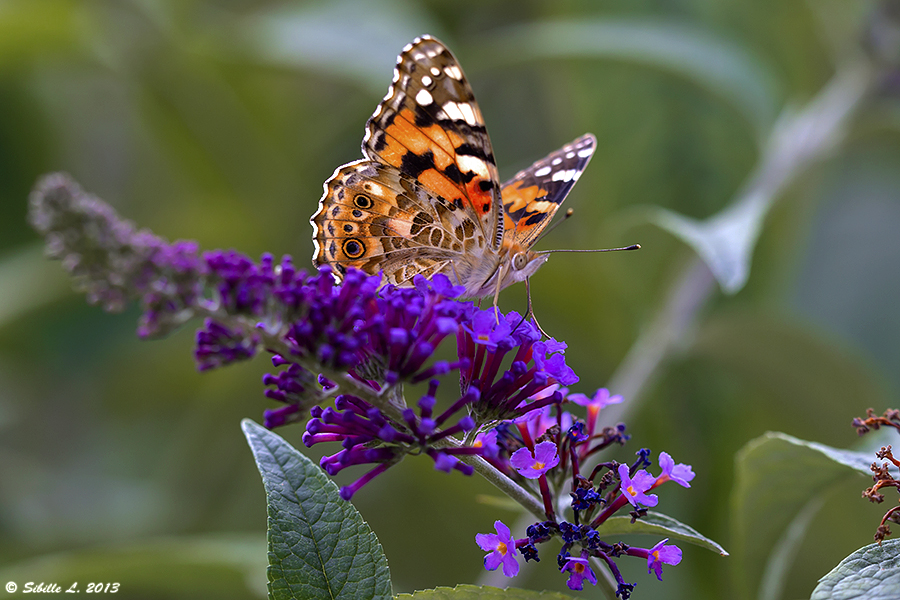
426	197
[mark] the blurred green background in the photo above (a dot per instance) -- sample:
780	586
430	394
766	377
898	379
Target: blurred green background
218	120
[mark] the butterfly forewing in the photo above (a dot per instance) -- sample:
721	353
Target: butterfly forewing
431	129
532	197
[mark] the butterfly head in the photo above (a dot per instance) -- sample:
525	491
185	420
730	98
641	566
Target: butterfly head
521	264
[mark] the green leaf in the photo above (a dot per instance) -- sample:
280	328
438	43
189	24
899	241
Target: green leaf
659	524
474	592
715	63
319	545
725	241
870	573
776	478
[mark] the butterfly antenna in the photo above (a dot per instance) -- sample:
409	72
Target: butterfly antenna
623	248
553	226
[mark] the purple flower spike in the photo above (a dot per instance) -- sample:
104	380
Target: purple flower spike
579	569
113	262
501	548
404	327
273	418
530	466
633	488
535	366
439	284
218	345
368	436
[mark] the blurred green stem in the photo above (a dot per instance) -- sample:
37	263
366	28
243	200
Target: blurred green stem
798	139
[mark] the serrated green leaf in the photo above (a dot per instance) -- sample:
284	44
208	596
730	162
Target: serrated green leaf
870	573
659	524
776	476
319	545
474	592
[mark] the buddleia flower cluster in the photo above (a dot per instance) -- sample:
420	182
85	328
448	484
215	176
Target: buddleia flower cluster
881	475
345	355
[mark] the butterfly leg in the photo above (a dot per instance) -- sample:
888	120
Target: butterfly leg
500	277
455	274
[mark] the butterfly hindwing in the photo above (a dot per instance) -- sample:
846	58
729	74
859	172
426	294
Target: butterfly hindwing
375	218
532	197
430	128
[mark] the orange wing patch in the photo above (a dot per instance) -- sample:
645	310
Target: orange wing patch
431	129
429	155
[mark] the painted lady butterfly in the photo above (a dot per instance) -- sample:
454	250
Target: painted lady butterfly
426	198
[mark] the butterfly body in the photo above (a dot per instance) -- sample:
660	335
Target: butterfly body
426	198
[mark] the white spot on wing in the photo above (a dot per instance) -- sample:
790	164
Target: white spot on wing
556	161
570	155
377	189
585	153
567	175
468	112
426	80
542	172
453	112
472	164
423	98
435	71
453	71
